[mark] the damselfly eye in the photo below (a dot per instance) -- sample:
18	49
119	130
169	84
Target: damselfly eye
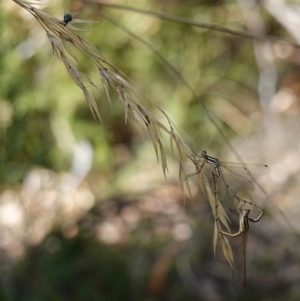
203	153
67	18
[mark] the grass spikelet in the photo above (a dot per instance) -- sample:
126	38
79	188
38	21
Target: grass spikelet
220	217
208	193
92	103
73	71
183	182
223	216
227	251
123	100
163	159
216	235
68	48
56	45
174	139
105	84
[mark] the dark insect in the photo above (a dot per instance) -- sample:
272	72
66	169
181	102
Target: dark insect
67	18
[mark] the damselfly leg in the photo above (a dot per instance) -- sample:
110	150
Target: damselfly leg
233	197
238	212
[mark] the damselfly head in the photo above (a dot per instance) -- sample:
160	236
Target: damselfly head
203	153
246	212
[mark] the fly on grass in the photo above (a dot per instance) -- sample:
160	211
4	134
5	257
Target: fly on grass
69	17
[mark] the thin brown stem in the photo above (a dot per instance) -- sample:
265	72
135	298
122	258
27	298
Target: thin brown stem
197	23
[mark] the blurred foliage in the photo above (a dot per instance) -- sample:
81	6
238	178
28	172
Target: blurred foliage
43	115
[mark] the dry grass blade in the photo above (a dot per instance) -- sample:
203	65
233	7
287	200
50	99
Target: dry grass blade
216	235
154	141
105	84
223	216
183	182
73	71
122	97
163	159
214	207
220	216
56	45
92	103
201	179
174	138
209	194
227	251
68	49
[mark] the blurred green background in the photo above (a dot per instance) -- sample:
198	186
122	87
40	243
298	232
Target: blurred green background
85	211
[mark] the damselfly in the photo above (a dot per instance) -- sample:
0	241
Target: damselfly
241	172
